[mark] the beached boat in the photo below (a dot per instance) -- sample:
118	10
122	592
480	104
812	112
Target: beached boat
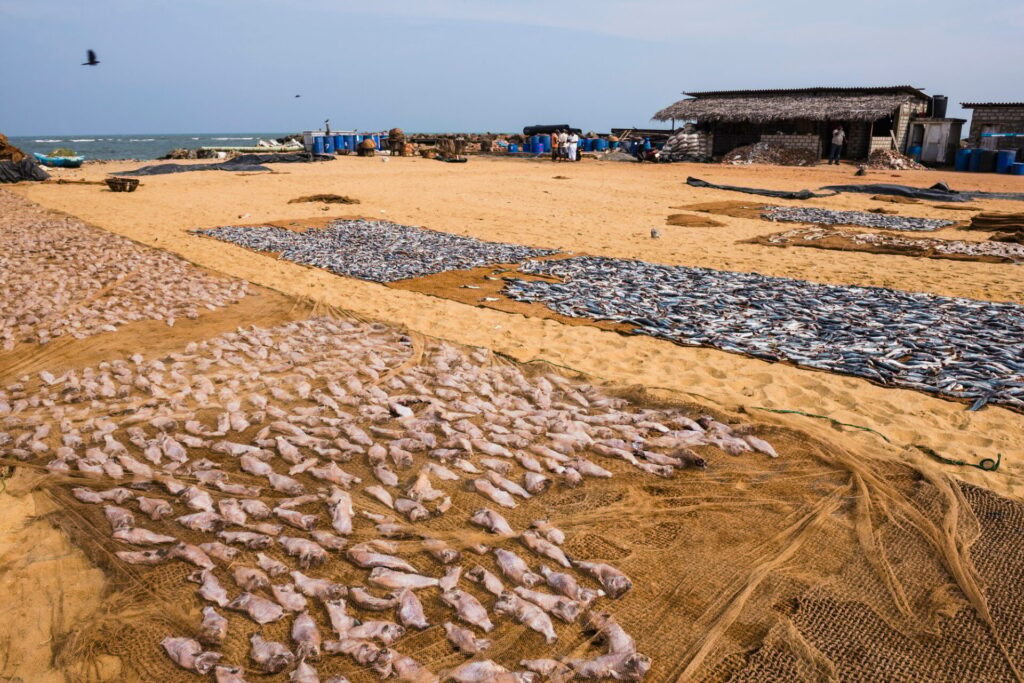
64	162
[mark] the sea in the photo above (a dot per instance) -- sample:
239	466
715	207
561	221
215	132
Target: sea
150	146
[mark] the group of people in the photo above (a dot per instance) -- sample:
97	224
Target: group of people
565	145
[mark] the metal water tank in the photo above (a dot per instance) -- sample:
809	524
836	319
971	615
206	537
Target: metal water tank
939	105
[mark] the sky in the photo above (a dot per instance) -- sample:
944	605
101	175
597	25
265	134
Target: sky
203	66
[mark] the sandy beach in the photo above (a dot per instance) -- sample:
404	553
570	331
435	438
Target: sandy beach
849	515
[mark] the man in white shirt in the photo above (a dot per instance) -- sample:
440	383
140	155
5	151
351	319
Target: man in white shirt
574	141
563	144
838	138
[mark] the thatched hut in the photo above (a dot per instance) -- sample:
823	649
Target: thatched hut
802	119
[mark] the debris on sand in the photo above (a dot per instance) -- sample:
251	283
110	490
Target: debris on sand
9	152
768	153
891	160
326	198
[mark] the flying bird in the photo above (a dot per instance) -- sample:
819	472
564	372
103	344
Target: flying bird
298	95
90	59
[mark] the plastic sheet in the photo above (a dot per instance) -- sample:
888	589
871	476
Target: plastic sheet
242	163
16	171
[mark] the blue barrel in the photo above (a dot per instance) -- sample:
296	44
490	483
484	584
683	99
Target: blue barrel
1005	159
350	142
974	164
1017	169
339	142
318	144
545	140
602	145
915	152
963	159
647	143
614	145
328	144
513	148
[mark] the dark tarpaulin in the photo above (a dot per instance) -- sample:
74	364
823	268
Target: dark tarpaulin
26	169
939	192
241	163
780	194
547	130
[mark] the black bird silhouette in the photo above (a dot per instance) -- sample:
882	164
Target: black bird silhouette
90	59
298	95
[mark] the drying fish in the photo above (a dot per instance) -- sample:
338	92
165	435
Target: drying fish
464	640
499	496
368	601
369	560
614	582
410	610
483	671
385	475
321	589
228	674
328	541
544	548
450	579
387	632
493	522
536	483
387	578
608	632
340	507
526	613
271	566
197	499
249	578
559	606
139	536
188	654
249	539
412	510
306	636
440	551
332	473
631	666
191	554
341	622
515	569
271	657
304	673
409	670
289	598
422	490
468	609
208	522
260	610
309	553
296	518
214	628
118	517
548	531
144	557
285	484
486	579
566	585
380	494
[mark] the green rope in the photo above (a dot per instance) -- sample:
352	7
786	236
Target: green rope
986	464
825	417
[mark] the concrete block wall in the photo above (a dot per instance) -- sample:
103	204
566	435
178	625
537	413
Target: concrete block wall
907	111
803	143
880	143
1005	119
858	135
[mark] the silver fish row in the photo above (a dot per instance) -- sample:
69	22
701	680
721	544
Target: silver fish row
954	347
805	214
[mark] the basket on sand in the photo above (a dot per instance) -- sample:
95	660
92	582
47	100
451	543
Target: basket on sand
367	148
122	184
428	153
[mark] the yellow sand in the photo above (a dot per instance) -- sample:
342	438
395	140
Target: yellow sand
602	208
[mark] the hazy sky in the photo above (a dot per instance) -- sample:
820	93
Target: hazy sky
177	66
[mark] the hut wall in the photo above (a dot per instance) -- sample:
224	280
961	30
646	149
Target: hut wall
795	142
997	120
902	123
858	140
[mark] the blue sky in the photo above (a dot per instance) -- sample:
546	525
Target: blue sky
180	66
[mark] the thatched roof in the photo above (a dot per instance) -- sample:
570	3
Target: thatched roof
814	104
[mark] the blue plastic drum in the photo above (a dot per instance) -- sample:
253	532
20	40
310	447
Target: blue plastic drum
318	144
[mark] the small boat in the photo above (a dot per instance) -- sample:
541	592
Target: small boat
64	162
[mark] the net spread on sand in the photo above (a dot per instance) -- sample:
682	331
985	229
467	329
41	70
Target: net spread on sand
818	565
376	250
60	277
918	341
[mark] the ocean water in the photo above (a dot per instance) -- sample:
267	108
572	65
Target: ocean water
135	146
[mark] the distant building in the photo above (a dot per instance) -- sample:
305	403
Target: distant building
802	119
996	118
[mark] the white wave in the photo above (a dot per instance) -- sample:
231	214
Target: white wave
48	140
141	139
195	138
231	138
83	140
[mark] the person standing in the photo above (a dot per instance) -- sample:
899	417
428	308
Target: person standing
563	145
838	138
574	143
554	145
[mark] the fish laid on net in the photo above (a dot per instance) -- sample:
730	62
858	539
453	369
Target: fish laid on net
376	250
803	214
953	347
323	469
914	246
61	277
